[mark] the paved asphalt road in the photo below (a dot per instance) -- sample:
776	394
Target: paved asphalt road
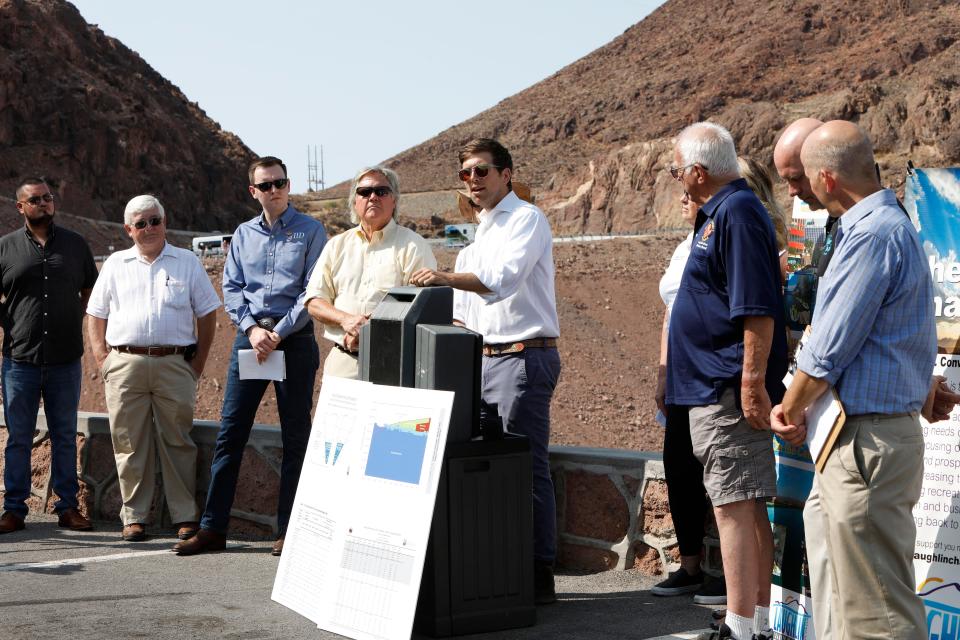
62	584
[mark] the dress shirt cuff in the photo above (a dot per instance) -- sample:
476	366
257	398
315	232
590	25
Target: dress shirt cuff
246	322
819	368
491	281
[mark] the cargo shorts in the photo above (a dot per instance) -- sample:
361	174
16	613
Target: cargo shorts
737	459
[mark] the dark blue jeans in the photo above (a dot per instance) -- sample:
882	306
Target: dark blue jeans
240	403
24	385
517	389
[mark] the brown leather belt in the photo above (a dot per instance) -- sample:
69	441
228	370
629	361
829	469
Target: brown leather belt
517	347
155	352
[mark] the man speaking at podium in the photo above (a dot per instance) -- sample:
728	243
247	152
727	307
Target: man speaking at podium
505	292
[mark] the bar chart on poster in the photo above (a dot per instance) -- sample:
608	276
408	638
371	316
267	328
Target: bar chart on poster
356	543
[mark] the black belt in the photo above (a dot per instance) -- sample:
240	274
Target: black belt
157	352
342	348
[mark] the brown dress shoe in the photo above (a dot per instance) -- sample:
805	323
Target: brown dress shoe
74	520
10	522
186	530
277	546
134	532
205	540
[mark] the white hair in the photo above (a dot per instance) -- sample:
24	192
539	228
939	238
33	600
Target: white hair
141	204
711	146
392	178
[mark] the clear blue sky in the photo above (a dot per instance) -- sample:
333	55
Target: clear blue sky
365	80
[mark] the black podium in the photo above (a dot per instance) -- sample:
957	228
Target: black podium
478	574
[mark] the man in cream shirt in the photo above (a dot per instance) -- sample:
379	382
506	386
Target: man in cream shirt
358	266
505	286
141	332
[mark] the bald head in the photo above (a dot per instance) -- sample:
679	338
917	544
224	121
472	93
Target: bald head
838	161
786	159
841	147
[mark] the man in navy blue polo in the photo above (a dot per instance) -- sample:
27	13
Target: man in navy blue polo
726	358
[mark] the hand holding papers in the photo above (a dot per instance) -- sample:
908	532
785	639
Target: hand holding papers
824	420
273	368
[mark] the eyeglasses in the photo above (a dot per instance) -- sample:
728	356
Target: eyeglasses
480	169
382	192
677	172
279	183
35	200
153	222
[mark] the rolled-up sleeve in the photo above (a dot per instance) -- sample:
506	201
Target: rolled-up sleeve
848	300
528	235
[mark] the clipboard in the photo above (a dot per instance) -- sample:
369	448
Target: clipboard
825	418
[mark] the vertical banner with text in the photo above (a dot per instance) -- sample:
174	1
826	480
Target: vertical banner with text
932	197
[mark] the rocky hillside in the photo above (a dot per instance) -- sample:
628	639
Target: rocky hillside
87	112
593	139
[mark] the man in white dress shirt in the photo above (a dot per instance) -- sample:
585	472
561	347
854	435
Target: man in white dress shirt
505	291
141	332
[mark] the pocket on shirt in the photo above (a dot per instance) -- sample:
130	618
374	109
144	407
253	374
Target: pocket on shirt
176	294
386	276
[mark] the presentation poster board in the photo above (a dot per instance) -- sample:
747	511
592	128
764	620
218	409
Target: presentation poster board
355	547
932	198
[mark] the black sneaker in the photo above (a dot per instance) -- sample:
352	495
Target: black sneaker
544	590
723	633
678	583
762	636
713	591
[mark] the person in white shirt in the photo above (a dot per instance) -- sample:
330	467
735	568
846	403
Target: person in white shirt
505	284
141	332
359	266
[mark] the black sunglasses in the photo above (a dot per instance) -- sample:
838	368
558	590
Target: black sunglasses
35	200
481	170
153	222
382	192
279	183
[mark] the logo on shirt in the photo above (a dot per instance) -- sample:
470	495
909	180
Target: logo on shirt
296	235
707	232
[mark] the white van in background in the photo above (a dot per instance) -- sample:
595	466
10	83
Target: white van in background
212	245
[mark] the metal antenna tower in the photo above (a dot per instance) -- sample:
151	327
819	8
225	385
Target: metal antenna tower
315	169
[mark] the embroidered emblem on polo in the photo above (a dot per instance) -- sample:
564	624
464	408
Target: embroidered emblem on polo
296	235
707	232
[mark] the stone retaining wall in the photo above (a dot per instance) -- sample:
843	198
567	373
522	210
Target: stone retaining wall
612	510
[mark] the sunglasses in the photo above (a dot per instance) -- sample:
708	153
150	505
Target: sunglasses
35	200
480	169
153	222
279	183
382	192
677	172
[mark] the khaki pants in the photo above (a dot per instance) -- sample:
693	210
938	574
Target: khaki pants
818	563
868	489
341	365
150	401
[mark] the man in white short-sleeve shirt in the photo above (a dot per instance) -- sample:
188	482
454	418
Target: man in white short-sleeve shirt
505	291
141	332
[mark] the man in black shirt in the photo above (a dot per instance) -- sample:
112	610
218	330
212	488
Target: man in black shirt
46	274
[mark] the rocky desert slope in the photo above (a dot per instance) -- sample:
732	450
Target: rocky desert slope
93	117
593	139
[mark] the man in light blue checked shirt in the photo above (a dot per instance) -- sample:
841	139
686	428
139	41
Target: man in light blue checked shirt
874	341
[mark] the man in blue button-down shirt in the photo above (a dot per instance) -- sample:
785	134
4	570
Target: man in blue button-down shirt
874	342
264	285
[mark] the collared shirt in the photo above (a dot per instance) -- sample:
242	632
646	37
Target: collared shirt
40	289
512	256
353	274
152	303
733	272
873	333
267	270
